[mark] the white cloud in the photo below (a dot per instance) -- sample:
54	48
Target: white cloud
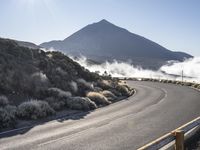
190	67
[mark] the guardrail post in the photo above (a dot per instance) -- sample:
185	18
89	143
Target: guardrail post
179	144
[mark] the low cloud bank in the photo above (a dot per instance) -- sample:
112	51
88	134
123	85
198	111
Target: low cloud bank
172	70
190	68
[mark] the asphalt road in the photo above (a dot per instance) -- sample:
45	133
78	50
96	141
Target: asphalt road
154	110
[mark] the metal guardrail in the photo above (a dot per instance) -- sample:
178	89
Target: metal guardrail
176	135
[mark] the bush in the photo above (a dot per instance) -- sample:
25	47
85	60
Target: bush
145	79
105	84
56	92
165	81
123	90
57	98
178	82
3	101
74	86
188	84
155	80
7	119
195	85
12	110
97	89
84	86
109	95
173	82
34	109
117	93
56	103
169	81
128	87
98	98
81	103
38	83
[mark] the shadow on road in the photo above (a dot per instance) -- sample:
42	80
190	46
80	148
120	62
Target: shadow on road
75	116
29	124
194	142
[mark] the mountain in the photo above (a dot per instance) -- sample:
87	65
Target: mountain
23	43
103	41
27	44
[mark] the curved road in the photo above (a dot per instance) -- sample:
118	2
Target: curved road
154	110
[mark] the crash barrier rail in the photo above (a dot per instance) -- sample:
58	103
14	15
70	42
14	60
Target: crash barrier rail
176	138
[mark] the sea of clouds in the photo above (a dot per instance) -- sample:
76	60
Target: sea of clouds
172	70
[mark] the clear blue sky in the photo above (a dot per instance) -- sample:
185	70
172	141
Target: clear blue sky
175	24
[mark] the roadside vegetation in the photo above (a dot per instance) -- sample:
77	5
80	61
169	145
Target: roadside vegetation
189	84
36	84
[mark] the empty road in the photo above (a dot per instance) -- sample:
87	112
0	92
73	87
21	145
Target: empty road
154	110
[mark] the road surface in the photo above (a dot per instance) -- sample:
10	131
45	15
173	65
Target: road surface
154	110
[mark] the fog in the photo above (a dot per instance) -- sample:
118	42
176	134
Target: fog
172	70
190	67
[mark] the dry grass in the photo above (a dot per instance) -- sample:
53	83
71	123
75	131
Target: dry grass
81	103
105	84
109	95
123	90
98	98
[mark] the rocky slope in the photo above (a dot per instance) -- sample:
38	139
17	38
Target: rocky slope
35	84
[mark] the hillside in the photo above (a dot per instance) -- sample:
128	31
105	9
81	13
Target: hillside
19	64
27	44
35	84
105	41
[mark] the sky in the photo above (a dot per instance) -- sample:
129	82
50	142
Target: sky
174	24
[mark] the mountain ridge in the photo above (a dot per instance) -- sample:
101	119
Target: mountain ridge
103	41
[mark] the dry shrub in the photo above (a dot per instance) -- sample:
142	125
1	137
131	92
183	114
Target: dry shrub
57	98
81	103
97	89
178	82
109	95
74	86
188	84
7	117
56	92
105	84
173	82
34	109
123	90
3	101
38	83
98	98
85	84
195	85
56	103
84	87
12	110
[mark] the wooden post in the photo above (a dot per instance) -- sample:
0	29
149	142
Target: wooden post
179	144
